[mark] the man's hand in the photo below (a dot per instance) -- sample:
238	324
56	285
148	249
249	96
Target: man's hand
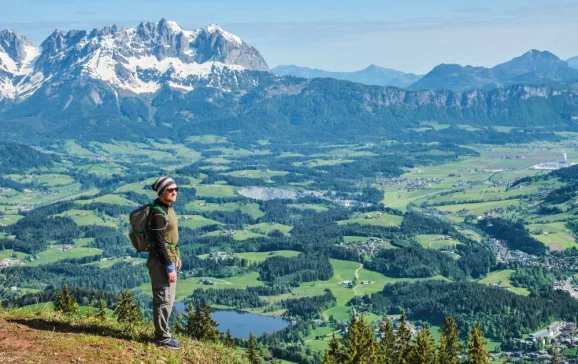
172	277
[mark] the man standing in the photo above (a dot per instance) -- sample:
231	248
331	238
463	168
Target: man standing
164	261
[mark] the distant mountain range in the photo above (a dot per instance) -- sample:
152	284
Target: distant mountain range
372	75
159	80
533	67
573	62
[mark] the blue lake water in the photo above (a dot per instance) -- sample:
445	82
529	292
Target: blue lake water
242	323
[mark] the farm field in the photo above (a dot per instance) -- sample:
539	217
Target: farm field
503	277
373	218
335	191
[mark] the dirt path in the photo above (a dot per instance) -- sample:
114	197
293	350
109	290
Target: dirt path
357	277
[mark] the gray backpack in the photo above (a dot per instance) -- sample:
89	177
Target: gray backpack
140	225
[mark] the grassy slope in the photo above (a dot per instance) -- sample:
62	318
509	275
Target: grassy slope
48	338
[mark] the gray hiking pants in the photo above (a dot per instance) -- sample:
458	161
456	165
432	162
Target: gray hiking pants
163	299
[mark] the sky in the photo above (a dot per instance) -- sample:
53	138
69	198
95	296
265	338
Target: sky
335	35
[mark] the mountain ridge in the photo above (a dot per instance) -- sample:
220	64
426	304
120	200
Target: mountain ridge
134	60
532	67
371	75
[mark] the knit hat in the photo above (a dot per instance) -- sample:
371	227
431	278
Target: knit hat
162	184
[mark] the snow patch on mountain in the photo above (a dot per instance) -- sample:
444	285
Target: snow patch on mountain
138	60
212	28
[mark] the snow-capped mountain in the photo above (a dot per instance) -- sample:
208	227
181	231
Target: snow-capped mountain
135	60
16	56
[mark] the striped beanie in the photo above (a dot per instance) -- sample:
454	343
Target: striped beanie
162	184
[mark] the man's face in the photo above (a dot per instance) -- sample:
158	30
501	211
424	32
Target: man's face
170	195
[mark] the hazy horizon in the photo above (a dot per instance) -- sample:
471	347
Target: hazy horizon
412	37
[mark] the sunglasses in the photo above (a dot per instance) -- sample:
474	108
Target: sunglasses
171	190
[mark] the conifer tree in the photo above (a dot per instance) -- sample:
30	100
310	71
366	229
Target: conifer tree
333	353
423	349
387	345
403	341
450	346
229	341
89	315
252	353
187	324
360	345
127	311
101	313
477	353
65	302
334	347
209	330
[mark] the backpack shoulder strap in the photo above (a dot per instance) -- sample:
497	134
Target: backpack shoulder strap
160	209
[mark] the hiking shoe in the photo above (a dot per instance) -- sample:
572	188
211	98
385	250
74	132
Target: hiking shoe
172	344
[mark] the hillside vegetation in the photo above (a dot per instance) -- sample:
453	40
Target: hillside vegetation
47	337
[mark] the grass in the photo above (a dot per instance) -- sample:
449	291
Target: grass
254	173
373	218
266	227
555	235
49	337
88	217
207	139
185	287
55	254
343	270
251	209
216	191
479	208
109	199
503	277
239	235
305	206
258	257
7	253
196	221
433	241
10	219
322	162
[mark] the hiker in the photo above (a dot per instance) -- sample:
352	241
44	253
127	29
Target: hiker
164	261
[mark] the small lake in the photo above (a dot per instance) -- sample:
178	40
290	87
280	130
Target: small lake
242	323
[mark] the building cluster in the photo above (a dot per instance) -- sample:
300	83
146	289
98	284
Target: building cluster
366	248
567	286
561	335
221	255
10	261
351	284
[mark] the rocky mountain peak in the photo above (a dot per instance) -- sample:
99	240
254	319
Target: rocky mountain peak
136	60
14	47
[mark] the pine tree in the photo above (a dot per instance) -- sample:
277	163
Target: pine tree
89	315
252	353
450	346
229	341
423	349
334	347
477	353
65	302
403	341
127	311
101	313
333	353
387	345
360	345
188	324
209	330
